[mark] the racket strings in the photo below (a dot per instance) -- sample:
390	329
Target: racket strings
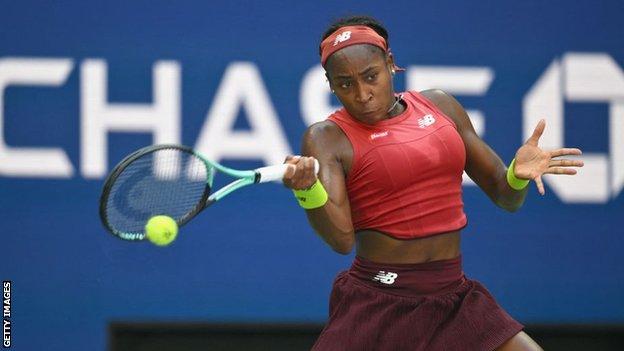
168	182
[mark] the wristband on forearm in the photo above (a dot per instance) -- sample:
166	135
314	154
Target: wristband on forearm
313	197
515	183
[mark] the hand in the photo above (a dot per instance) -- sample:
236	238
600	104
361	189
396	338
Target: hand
533	162
300	174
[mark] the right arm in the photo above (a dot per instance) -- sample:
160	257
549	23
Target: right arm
325	142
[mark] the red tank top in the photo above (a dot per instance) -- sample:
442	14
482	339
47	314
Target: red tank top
406	174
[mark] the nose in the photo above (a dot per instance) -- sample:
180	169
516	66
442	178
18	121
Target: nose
363	93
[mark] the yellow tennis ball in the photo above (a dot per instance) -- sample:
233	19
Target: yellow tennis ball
161	230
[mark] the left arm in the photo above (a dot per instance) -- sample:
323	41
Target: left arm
487	169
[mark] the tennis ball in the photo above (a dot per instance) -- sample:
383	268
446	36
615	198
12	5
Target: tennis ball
161	230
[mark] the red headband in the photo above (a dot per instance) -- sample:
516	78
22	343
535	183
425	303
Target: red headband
350	35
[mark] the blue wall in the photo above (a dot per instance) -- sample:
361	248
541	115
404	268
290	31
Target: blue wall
253	257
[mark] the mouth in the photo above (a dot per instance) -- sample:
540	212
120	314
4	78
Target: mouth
369	112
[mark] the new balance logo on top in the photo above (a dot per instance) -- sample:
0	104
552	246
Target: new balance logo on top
344	36
379	135
386	278
426	121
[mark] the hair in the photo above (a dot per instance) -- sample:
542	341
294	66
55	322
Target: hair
356	21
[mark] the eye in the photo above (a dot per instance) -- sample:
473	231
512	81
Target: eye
371	77
345	85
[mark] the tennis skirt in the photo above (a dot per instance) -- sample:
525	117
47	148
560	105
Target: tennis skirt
425	306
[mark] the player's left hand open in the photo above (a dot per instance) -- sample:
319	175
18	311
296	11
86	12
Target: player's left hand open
533	162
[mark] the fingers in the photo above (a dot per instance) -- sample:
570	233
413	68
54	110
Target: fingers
537	133
560	170
290	171
290	159
309	169
565	152
540	185
566	163
300	172
552	170
561	166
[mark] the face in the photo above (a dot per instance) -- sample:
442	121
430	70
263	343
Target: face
361	79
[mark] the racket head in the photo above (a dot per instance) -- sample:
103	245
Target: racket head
169	180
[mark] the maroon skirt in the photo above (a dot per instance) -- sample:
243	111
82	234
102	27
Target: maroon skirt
425	306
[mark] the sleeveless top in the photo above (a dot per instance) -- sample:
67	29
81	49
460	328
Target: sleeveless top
406	174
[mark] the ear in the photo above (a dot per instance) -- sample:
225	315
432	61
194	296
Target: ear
390	62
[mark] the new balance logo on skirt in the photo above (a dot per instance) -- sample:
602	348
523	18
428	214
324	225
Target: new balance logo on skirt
386	278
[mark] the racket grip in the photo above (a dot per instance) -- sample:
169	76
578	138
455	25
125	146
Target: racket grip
273	173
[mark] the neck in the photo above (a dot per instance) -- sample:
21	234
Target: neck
397	107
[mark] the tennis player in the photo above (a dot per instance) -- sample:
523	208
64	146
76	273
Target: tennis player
390	185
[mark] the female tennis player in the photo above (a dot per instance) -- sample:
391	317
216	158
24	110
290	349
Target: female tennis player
390	185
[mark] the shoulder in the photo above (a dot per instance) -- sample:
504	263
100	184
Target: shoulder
446	103
328	143
323	130
435	94
443	100
325	135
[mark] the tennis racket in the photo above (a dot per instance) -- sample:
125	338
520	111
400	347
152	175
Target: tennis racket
171	180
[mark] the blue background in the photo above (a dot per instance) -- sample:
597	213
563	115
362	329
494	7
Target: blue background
253	258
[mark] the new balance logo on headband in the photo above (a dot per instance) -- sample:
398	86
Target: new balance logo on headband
386	278
344	36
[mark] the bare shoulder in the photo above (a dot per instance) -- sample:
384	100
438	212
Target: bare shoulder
324	130
450	107
437	96
327	142
324	134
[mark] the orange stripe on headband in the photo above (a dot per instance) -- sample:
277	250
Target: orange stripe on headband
350	35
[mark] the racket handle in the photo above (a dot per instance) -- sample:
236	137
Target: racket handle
273	173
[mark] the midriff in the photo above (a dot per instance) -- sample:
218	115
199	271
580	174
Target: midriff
378	247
